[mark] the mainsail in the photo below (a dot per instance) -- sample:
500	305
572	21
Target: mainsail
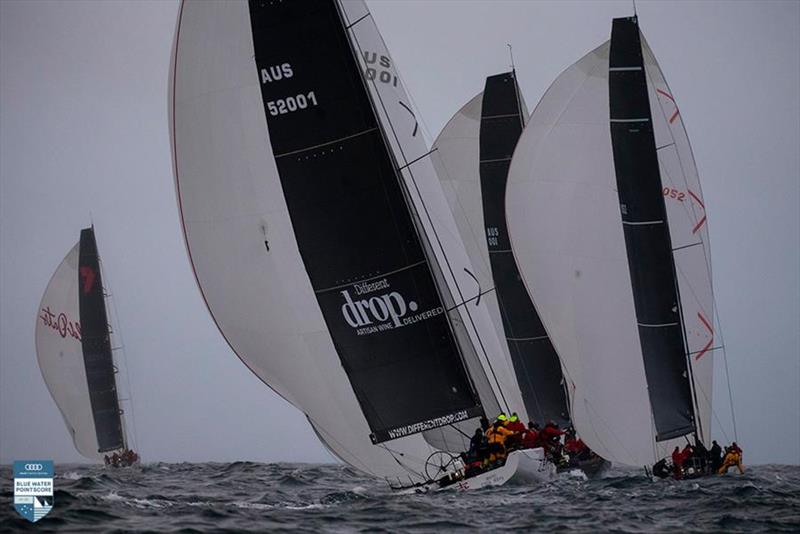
73	347
608	224
472	156
305	194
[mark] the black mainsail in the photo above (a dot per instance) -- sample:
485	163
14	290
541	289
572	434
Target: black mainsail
647	236
354	229
96	343
534	358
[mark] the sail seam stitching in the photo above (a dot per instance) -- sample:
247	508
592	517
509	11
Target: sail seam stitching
306	149
642	223
371	278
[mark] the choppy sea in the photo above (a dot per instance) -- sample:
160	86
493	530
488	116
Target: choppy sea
246	496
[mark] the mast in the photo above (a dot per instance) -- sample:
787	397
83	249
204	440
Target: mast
647	237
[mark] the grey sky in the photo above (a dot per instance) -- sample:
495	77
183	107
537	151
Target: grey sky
84	130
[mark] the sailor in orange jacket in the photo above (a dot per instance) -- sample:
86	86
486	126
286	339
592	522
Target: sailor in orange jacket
497	436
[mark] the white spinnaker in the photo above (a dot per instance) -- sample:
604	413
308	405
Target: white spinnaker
689	233
60	355
231	202
566	234
412	154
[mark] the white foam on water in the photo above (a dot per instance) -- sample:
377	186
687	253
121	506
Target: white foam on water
70	475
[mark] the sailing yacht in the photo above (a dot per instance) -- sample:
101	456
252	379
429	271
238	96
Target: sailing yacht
608	224
321	240
73	347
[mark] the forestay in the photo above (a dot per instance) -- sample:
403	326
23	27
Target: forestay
566	229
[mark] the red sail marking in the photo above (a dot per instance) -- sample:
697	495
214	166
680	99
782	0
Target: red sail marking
699	224
702	220
710	331
674	115
87	273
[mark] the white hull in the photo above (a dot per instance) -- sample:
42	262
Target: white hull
534	467
495	477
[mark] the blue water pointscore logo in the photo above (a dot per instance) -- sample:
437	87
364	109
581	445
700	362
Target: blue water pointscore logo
33	488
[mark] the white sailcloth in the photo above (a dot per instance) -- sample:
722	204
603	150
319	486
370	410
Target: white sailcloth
564	222
232	204
60	355
456	158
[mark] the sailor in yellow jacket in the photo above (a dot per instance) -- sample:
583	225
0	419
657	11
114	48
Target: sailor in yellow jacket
733	457
497	435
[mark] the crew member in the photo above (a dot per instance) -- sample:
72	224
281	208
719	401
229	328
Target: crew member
497	436
733	457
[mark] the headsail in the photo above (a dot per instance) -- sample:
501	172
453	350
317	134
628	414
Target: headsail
308	248
566	223
74	352
473	154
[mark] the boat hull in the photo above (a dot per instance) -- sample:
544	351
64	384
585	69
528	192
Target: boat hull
534	467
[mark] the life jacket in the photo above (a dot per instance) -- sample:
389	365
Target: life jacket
498	435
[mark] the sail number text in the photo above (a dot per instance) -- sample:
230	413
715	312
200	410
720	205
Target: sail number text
671	192
282	106
491	235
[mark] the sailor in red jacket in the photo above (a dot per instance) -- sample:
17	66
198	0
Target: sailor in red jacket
530	439
514	424
677	462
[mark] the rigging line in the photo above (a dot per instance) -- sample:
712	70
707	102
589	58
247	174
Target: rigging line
123	353
714	414
459	431
727	374
359	20
433	229
467	301
401	464
413	161
687	246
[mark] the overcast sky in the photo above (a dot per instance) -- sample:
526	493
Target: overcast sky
84	137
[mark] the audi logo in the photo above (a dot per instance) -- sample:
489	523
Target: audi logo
33	467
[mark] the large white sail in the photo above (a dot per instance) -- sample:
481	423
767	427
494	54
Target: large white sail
243	241
60	355
73	347
564	217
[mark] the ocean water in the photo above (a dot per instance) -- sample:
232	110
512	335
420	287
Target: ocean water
246	496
